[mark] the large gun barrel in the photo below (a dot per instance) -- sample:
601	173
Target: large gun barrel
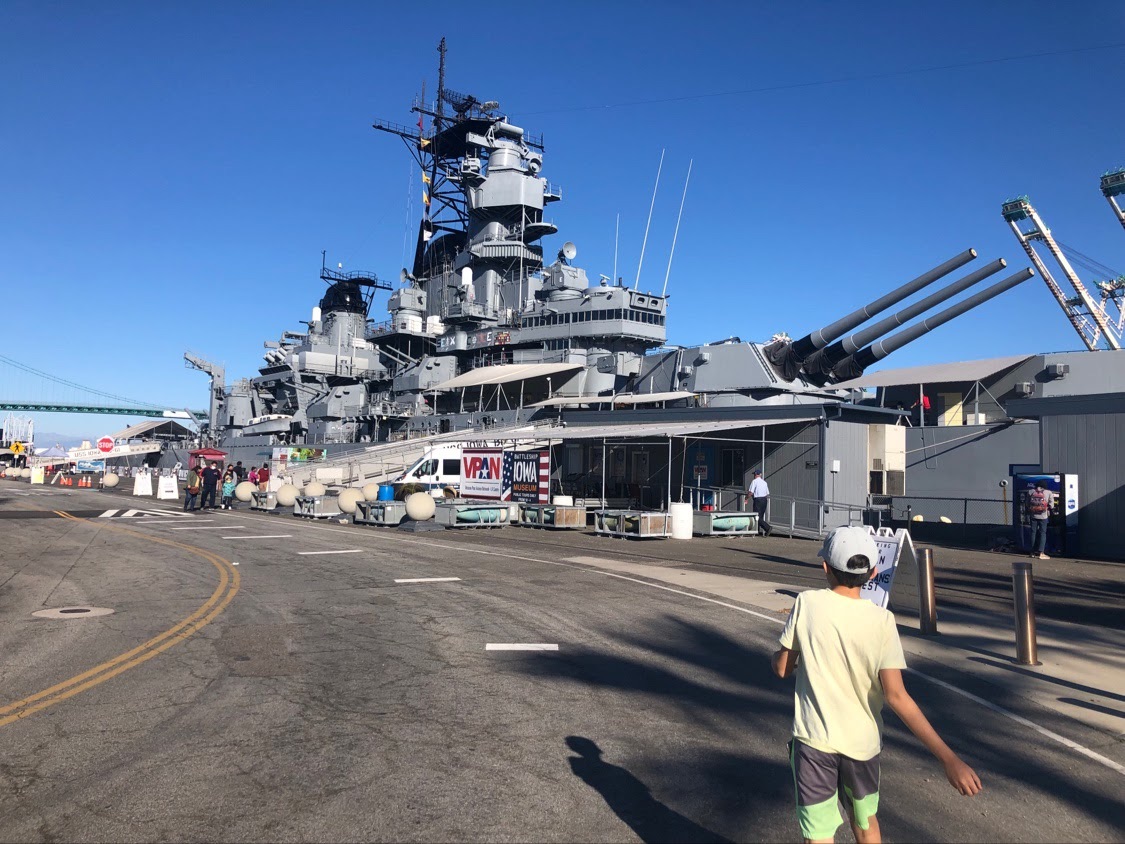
823	360
819	339
854	365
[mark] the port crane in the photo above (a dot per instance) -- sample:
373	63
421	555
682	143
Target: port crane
1089	317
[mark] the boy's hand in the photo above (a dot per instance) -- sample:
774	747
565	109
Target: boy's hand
962	777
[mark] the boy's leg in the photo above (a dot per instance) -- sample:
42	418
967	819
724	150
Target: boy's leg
860	781
816	777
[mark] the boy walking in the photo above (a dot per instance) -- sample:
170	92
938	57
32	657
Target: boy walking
848	660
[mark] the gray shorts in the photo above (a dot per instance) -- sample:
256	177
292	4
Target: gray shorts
823	779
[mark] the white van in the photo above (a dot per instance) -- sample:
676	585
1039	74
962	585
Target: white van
438	468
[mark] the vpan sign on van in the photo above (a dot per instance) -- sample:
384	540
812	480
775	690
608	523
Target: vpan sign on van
482	473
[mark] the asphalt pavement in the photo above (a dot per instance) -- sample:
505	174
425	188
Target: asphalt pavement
267	678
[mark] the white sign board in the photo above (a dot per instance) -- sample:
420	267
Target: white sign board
76	454
142	484
167	489
37	475
890	544
482	473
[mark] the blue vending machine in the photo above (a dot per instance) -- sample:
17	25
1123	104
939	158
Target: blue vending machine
1062	523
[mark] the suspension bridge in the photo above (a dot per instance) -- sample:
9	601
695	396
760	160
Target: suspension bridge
25	388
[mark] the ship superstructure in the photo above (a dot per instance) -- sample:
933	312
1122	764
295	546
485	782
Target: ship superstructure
489	327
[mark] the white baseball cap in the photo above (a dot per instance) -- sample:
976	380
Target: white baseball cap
846	542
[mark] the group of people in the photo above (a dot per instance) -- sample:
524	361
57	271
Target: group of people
203	483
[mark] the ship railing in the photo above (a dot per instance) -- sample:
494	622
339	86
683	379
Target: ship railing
952	520
786	514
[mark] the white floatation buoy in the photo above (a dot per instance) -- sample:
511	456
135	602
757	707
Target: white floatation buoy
348	498
315	488
111	480
287	495
370	492
243	491
420	506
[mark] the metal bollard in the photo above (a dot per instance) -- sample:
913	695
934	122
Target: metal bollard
1027	651
927	614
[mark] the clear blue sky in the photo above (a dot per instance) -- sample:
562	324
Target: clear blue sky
171	172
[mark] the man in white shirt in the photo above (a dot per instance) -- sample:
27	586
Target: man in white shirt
760	496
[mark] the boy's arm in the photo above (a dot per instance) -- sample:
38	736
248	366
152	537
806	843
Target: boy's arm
960	776
785	662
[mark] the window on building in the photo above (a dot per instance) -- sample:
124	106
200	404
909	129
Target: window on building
732	467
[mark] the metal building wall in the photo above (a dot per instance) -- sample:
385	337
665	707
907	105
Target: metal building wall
794	483
967	461
846	490
1091	445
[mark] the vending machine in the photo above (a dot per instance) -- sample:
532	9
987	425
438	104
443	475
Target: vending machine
1062	522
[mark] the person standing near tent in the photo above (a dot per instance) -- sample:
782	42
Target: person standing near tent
230	481
253	476
210	482
264	477
191	491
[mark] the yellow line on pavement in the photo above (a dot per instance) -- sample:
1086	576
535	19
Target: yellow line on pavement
229	582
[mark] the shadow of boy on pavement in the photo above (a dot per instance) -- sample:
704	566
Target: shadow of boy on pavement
630	799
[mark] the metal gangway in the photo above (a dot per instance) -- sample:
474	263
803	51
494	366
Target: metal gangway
384	462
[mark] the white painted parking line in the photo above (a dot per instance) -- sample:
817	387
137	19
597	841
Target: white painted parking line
427	580
314	553
108	514
491	646
169	521
269	536
211	527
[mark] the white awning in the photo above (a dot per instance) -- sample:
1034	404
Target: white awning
645	398
505	373
938	373
572	401
658	429
142	428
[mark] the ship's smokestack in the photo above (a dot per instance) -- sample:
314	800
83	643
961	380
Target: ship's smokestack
823	360
788	357
854	365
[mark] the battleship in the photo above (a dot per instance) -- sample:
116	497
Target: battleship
488	329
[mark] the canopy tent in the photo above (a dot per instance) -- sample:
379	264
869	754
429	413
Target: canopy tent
53	451
153	428
505	373
208	454
937	373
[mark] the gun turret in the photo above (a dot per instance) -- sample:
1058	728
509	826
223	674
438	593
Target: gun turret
789	357
854	365
823	360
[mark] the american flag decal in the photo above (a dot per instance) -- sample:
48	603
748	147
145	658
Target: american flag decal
526	477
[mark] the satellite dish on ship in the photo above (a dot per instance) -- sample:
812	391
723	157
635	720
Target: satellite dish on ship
568	251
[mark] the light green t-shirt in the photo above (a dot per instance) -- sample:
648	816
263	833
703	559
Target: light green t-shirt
844	643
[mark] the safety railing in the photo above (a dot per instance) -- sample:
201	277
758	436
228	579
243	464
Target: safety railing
958	520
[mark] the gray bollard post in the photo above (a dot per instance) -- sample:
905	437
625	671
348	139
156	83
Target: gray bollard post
927	598
1023	587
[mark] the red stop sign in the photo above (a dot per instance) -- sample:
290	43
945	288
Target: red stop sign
105	444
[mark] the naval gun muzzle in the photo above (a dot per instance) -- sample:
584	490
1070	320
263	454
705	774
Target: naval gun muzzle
788	357
854	365
822	360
